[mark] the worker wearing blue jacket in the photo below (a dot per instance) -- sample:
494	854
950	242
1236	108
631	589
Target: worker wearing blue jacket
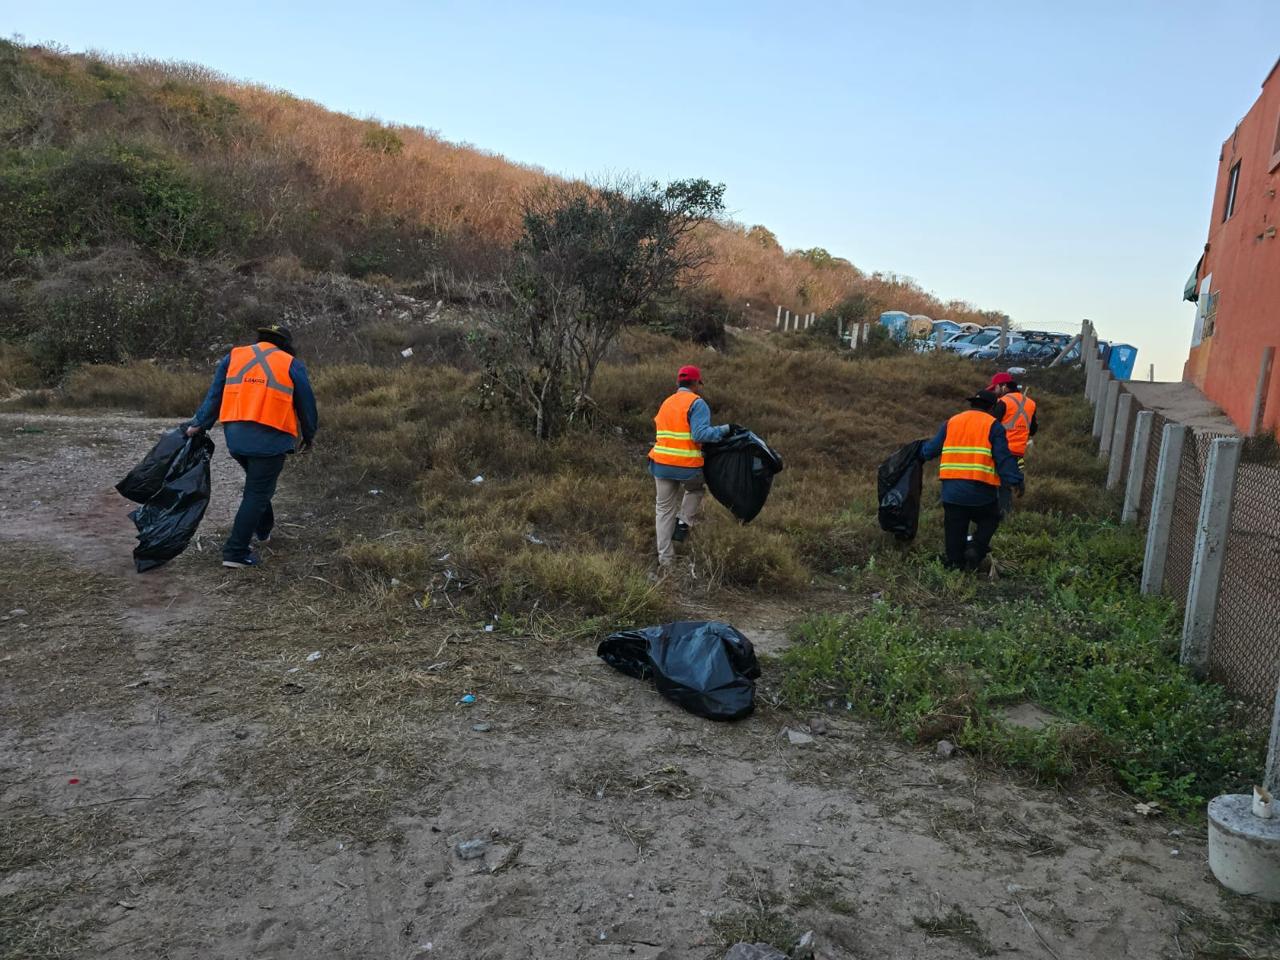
976	464
263	396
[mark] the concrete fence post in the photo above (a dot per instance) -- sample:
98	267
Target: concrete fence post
777	323
866	332
1271	777
1099	410
1211	544
1137	466
1119	440
1110	400
839	328
1162	500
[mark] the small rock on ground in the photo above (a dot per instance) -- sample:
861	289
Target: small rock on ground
805	947
798	739
481	728
945	748
818	727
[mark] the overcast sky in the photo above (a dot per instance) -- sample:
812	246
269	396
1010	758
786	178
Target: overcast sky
1052	160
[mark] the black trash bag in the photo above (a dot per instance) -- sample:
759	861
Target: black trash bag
707	667
739	472
898	486
167	522
145	480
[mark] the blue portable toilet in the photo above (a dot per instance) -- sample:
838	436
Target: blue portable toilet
1121	360
898	323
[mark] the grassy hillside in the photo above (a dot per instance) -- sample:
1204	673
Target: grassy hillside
146	193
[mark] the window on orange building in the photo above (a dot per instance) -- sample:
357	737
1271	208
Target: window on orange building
1233	181
1275	151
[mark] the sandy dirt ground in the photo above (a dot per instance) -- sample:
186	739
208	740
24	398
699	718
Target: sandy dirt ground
139	820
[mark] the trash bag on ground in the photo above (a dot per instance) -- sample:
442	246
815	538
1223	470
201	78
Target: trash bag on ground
707	667
145	480
167	522
739	472
898	486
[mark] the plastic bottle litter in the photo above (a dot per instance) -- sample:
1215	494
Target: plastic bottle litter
313	656
468	699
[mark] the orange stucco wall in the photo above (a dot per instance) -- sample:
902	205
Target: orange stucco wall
1243	255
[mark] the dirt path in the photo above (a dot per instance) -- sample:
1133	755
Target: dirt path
617	825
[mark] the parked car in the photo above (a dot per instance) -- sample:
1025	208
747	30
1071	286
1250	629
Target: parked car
991	351
978	341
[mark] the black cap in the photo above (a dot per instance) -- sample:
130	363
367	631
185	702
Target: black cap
984	399
278	335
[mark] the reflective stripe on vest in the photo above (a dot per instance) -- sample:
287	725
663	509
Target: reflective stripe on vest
673	444
1019	410
259	388
966	449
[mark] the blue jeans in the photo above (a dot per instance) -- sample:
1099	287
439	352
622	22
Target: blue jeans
255	515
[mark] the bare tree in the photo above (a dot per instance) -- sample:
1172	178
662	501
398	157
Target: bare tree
591	259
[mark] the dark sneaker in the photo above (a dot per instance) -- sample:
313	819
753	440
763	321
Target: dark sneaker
250	561
681	532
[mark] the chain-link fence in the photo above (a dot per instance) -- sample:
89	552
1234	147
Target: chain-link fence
1245	650
1186	513
1245	655
1154	446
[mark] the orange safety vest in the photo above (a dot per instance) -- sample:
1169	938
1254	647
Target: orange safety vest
966	451
1018	411
259	388
674	446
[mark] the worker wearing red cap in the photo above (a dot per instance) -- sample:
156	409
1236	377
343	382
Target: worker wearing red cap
1018	416
682	426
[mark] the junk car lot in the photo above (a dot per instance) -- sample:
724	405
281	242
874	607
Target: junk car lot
189	770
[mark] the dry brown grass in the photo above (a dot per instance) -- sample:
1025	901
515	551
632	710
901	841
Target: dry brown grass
328	179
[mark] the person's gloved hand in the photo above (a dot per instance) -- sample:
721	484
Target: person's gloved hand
193	430
306	445
735	428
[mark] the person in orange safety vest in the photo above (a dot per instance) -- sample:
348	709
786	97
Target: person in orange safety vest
1018	413
976	464
682	426
262	395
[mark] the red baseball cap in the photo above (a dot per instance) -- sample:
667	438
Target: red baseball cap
1000	378
689	374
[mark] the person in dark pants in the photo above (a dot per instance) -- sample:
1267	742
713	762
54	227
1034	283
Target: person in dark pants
976	463
262	395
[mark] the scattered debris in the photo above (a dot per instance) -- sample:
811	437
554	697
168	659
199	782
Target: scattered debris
127	904
313	656
467	698
1151	809
481	728
18	612
472	849
798	739
944	749
375	492
292	689
407	352
818	727
478	478
805	947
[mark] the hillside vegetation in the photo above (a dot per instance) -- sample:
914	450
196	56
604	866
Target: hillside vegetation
159	195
